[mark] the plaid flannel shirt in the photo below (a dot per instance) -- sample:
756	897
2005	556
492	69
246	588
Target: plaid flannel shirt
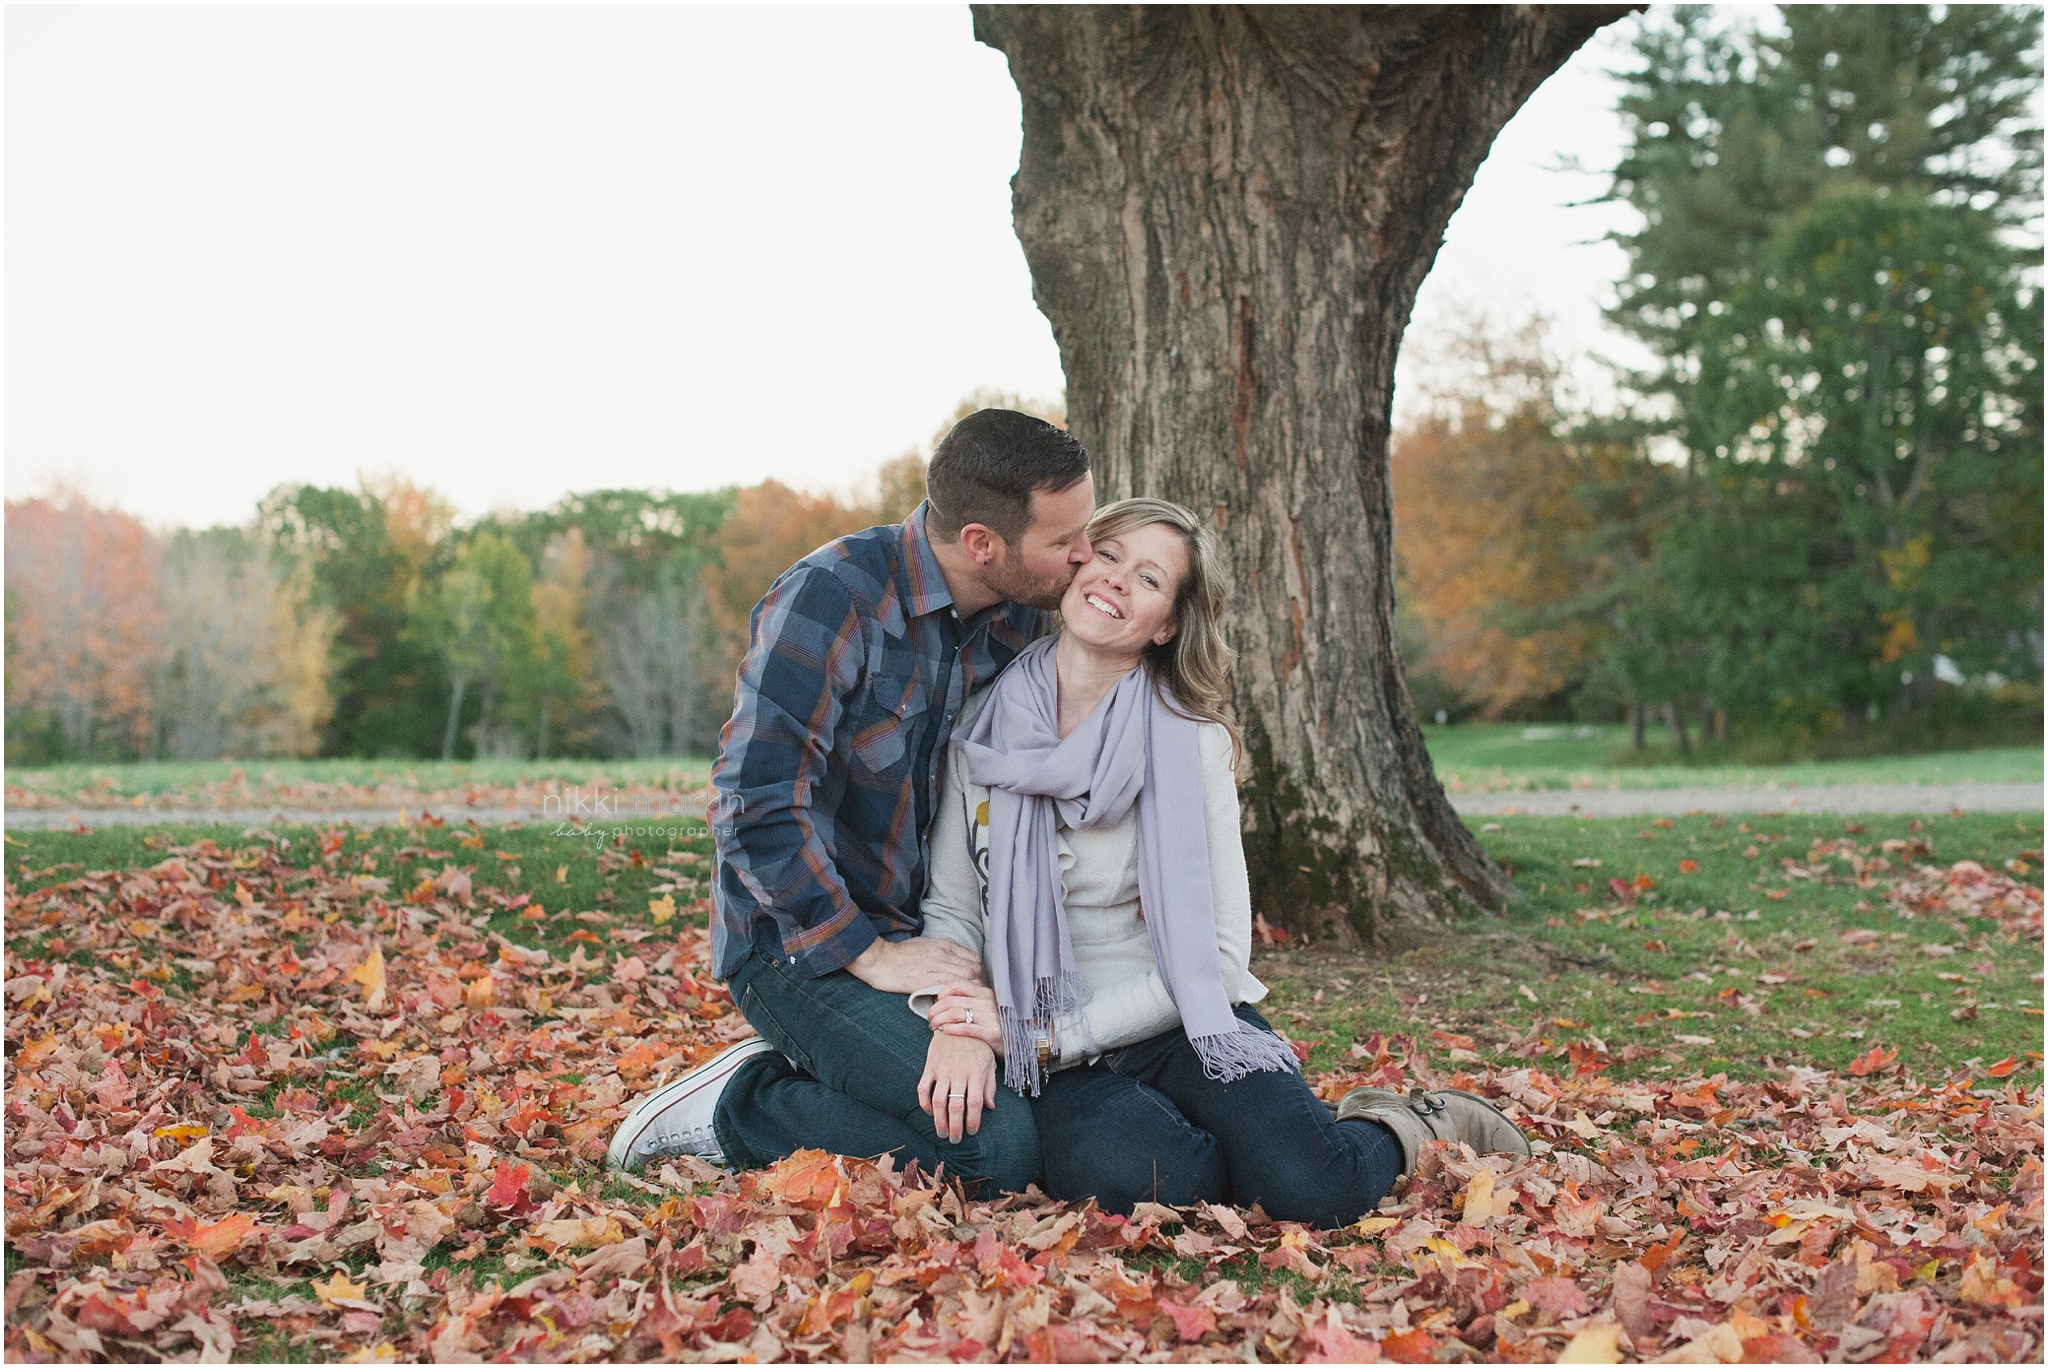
827	774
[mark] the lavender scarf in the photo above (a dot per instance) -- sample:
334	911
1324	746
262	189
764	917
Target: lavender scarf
1131	749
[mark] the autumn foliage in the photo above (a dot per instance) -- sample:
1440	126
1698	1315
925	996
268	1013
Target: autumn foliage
84	627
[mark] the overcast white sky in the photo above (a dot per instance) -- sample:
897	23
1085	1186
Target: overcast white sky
515	252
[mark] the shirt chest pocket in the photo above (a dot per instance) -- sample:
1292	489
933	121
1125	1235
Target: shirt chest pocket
886	723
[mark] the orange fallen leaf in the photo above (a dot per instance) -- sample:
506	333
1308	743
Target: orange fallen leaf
215	1241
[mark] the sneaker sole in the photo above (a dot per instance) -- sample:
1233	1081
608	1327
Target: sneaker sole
713	1071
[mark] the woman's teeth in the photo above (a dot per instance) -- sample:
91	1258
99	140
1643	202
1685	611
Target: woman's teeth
1101	605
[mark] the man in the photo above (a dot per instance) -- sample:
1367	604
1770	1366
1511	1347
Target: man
862	655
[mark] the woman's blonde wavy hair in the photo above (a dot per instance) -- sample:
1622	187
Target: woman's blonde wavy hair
1191	671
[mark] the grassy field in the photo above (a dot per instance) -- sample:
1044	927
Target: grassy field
1483	757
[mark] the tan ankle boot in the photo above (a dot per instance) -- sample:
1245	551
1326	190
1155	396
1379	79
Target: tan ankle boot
1445	1114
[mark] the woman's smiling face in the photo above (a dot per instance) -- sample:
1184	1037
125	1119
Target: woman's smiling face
1122	599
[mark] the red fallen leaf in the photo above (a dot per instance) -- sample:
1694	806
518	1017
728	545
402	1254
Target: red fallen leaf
1300	1050
2003	1067
1877	1057
215	1241
508	1184
1642	883
1587	1060
1410	1346
1688	866
1453	1042
1189	1322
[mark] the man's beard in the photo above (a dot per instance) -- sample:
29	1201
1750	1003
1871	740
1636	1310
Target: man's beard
1009	578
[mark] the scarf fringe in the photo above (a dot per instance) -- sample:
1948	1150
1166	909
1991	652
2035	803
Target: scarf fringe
1232	1055
1052	996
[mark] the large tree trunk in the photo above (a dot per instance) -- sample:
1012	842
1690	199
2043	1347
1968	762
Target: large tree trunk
1227	212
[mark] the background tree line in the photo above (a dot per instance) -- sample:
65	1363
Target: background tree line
1820	510
370	622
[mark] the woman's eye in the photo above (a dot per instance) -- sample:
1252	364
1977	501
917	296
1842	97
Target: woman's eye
1151	583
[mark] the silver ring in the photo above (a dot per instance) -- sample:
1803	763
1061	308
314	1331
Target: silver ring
956	1094
970	1015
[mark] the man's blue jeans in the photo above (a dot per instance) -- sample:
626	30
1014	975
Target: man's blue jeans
1145	1123
846	1081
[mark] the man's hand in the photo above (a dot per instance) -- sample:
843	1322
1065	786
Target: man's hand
908	965
959	1083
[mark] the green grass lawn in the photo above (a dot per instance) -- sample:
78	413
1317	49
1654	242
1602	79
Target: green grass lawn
1479	757
1759	982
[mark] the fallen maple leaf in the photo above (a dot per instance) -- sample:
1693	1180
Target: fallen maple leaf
1877	1057
215	1241
370	974
661	909
1597	1343
2003	1067
1410	1346
338	1291
508	1184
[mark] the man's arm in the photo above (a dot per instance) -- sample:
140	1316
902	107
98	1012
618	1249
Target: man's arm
805	659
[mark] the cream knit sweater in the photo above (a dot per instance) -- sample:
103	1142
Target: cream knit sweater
1125	998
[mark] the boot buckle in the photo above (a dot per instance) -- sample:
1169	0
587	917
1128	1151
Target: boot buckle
1422	1104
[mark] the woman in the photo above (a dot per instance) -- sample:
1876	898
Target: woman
1088	847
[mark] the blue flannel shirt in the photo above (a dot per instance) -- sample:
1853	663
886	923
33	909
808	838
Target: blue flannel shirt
828	772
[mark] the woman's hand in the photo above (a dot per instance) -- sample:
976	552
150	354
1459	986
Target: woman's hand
959	1083
968	1009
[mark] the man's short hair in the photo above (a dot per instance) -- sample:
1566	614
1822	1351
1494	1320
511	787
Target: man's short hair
987	466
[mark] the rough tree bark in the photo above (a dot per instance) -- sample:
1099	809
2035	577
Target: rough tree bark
1227	211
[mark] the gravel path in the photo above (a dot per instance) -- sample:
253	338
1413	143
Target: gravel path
1840	798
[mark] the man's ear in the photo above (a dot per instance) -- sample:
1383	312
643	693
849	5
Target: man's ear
982	545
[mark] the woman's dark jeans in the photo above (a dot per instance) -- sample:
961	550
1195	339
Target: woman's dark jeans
1146	1124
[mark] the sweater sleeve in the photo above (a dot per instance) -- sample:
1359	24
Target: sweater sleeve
953	903
1139	1007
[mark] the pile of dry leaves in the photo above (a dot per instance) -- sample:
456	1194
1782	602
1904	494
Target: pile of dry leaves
296	1112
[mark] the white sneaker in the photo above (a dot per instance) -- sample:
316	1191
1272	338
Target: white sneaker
676	1117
